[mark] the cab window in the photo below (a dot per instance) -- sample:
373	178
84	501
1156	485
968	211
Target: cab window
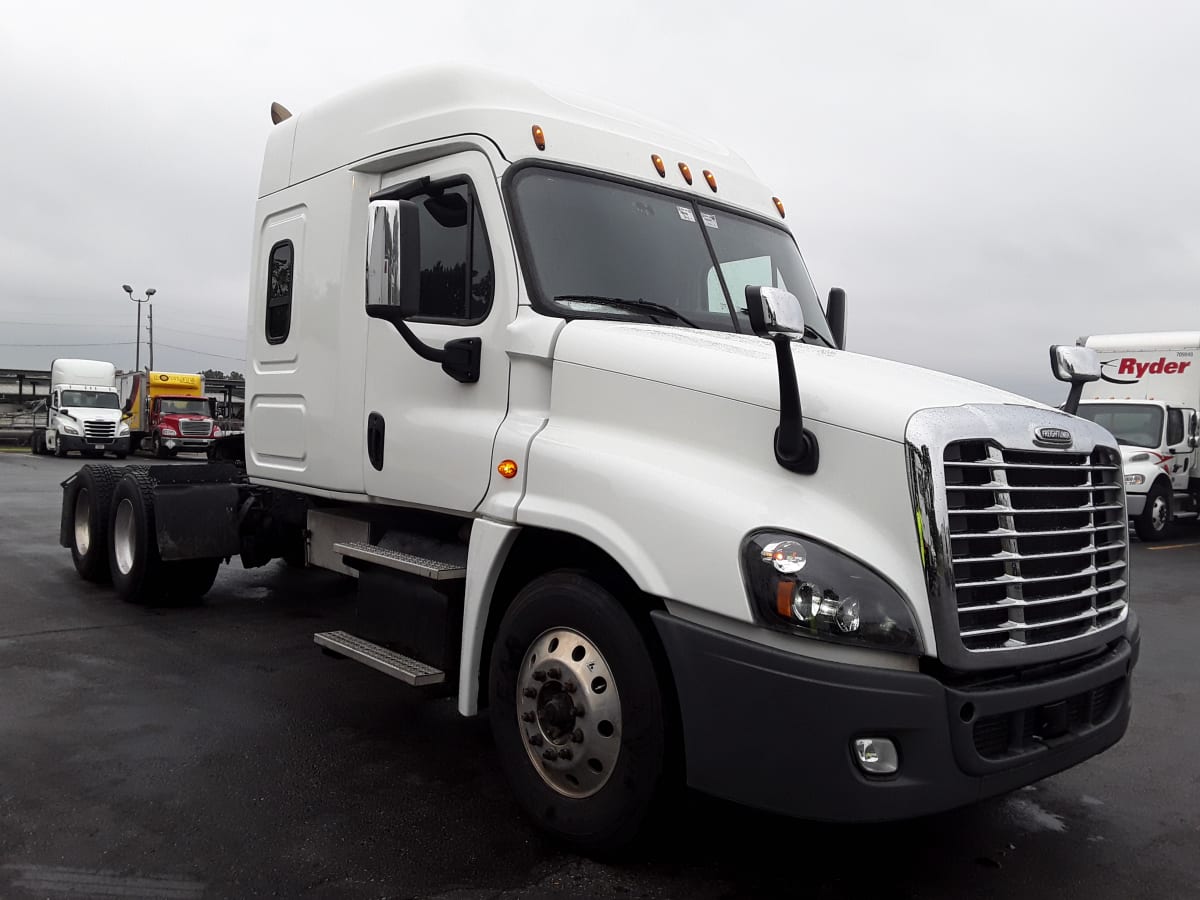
457	279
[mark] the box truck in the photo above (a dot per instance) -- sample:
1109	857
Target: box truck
553	383
168	412
83	412
1148	396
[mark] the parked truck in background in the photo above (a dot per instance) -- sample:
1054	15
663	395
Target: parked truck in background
83	411
168	412
1148	396
553	383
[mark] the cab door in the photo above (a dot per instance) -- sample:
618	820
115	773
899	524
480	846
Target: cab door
1179	424
429	436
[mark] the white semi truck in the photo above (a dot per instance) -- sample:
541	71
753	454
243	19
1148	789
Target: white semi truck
554	384
83	412
1148	396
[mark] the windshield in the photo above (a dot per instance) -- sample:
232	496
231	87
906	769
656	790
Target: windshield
195	407
600	248
1133	425
90	400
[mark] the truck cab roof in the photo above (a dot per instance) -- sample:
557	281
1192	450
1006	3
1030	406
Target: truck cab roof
480	106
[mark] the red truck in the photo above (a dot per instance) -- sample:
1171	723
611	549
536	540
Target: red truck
168	412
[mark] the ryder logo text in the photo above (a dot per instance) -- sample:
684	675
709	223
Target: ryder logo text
1134	370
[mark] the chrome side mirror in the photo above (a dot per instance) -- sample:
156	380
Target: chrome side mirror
774	311
1073	364
394	255
1194	435
1077	366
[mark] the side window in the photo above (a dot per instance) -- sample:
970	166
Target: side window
1174	427
279	292
457	280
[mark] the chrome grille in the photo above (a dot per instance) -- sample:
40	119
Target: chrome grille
99	431
1037	543
195	427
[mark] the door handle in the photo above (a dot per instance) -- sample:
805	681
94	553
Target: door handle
375	432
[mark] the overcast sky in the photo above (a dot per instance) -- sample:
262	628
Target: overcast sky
983	184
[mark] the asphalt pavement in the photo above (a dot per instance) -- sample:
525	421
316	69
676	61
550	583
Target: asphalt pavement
215	752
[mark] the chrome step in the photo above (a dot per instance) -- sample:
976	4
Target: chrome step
1188	514
433	569
409	670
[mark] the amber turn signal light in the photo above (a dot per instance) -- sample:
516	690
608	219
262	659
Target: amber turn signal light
539	137
508	468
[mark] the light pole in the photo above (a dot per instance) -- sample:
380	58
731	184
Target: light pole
137	354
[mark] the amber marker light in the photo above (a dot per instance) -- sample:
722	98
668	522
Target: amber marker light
779	206
539	137
784	593
508	469
659	165
711	179
687	173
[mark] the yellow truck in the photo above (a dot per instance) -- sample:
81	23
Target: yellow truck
168	412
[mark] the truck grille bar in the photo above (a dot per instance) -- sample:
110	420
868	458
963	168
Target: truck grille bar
1023	539
99	431
194	428
1038	543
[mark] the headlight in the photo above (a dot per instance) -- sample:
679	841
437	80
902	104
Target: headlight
216	432
807	588
123	429
1134	480
169	432
68	429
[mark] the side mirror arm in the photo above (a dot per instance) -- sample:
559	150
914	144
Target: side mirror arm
796	447
459	358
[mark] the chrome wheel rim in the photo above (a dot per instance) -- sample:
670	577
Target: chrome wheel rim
83	530
123	537
1158	513
569	712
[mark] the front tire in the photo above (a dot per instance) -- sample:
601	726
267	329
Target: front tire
577	712
59	450
89	498
1155	520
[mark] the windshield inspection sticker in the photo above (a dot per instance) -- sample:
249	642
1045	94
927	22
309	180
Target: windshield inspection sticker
686	214
709	219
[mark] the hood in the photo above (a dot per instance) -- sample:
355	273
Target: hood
864	393
92	414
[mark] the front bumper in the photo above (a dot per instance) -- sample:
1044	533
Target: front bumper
773	730
187	444
1135	503
71	442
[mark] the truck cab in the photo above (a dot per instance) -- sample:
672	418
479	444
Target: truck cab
1148	397
83	412
553	382
168	412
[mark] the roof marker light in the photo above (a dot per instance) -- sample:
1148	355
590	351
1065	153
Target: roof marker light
687	173
711	179
779	206
539	137
659	164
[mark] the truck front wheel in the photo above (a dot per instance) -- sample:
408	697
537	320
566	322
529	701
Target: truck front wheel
1155	520
577	712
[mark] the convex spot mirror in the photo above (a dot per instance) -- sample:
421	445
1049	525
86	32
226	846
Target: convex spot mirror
1073	364
774	311
394	256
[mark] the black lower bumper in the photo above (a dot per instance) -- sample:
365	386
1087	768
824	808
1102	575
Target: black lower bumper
774	730
80	444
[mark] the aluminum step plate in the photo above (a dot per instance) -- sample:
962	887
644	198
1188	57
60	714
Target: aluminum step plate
433	569
409	670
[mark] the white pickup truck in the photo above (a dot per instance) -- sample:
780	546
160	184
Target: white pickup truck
553	382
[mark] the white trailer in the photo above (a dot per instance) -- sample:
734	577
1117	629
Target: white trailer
1148	396
83	412
532	371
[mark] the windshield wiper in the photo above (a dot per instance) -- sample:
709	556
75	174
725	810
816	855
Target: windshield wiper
643	306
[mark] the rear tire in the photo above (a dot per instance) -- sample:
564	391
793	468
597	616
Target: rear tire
1155	520
89	499
133	559
611	771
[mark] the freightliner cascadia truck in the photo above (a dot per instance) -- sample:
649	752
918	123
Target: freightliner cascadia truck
553	383
83	413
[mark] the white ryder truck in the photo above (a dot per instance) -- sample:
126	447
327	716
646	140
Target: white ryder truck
83	412
1148	396
554	384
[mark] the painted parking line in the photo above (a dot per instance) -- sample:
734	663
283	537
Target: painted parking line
1174	546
